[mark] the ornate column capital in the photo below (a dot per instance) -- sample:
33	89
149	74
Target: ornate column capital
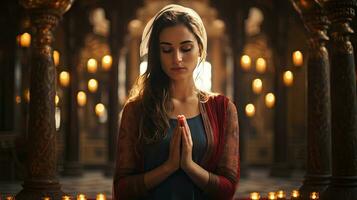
340	13
315	21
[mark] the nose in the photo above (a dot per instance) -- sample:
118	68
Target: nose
177	57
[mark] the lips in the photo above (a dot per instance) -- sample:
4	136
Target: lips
178	69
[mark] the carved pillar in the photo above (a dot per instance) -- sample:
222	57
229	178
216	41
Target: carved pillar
218	70
113	105
71	164
280	166
343	102
135	29
41	142
318	171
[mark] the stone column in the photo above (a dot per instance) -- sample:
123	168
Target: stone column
318	169
218	69
280	166
71	164
343	101
41	177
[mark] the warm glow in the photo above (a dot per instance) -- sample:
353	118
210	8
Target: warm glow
64	78
57	99
81	197
245	62
25	40
254	196
298	58
271	196
314	195
257	86
81	98
280	194
92	65
27	95
295	194
92	85
260	65
250	110
107	62
269	100
56	57
288	78
10	198
66	198
46	198
99	109
101	197
18	99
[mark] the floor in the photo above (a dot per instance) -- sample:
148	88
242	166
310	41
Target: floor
93	182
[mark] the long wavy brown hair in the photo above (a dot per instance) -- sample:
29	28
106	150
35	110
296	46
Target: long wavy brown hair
152	88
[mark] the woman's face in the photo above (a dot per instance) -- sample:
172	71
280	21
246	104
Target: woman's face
179	52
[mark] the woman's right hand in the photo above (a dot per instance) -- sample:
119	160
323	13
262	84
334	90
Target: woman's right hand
173	161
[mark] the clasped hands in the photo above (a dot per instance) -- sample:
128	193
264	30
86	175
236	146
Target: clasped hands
180	155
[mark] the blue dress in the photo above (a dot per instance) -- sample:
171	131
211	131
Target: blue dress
178	186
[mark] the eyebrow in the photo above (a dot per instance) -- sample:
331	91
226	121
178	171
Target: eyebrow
183	42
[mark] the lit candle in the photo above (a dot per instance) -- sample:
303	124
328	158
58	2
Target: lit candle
18	99
271	196
56	57
99	109
107	62
288	78
57	100
254	196
260	65
81	98
298	58
27	95
257	86
46	198
64	78
280	195
245	62
269	100
100	197
92	85
10	198
295	194
25	40
66	198
314	195
92	65
81	197
250	110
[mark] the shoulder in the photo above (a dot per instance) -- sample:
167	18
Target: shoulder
132	106
217	99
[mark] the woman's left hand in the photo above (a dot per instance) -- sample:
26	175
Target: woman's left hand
187	144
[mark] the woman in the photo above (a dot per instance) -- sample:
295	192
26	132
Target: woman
176	142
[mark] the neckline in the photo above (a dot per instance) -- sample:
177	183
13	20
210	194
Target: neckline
199	114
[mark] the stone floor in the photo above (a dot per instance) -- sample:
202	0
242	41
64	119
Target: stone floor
94	182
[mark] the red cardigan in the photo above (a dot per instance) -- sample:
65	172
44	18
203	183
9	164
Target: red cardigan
221	159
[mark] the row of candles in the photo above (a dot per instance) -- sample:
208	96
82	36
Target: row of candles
257	83
281	195
99	196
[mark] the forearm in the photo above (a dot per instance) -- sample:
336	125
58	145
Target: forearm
156	176
197	174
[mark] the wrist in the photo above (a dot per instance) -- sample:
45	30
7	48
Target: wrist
169	168
188	166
